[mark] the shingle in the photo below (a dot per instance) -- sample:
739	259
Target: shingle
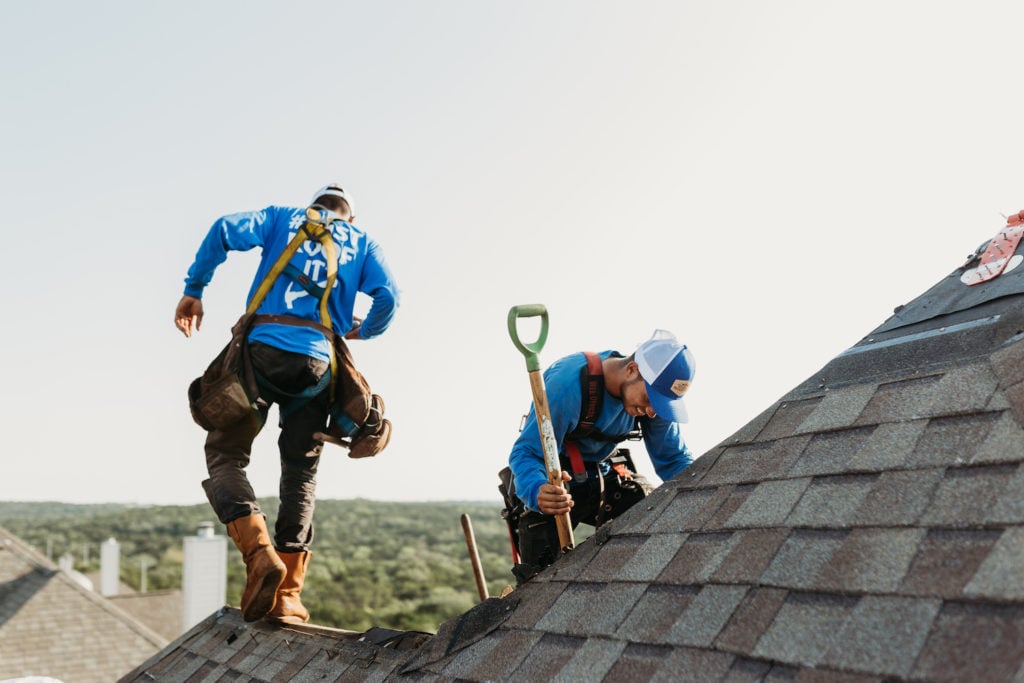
801	558
209	672
494	656
998	401
966	496
1005	443
690	665
900	401
697	558
831	452
889	446
1000	576
613	555
650	558
545	661
787	418
898	498
690	509
592	661
870	560
829	676
750	555
884	635
184	666
301	654
750	620
769	504
747	671
591	609
641	516
965	389
638	663
693	476
706	615
837	409
1008	364
570	565
755	462
1014	395
946	560
805	629
533	600
968	639
737	496
832	501
654	614
1010	507
951	440
258	655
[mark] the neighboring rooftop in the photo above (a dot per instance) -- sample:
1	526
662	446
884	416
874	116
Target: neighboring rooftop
52	626
868	526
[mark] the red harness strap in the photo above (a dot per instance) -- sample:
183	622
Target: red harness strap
593	386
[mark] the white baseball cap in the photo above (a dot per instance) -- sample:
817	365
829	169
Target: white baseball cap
668	368
335	190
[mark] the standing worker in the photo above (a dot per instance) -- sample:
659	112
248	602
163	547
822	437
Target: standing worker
291	344
596	400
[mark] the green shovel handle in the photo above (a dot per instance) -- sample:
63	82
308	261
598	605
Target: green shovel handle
531	350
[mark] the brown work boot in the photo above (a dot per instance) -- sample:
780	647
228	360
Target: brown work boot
264	571
288	609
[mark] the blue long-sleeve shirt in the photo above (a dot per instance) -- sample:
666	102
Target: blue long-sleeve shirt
662	438
361	268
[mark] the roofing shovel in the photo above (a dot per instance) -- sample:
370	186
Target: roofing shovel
540	406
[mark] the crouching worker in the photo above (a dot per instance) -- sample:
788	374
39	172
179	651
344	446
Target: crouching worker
597	400
287	349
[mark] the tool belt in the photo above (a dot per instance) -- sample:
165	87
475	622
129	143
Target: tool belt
227	392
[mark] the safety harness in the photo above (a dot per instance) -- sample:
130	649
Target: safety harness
592	391
316	228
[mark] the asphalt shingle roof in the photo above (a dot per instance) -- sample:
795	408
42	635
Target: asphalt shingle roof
868	526
52	626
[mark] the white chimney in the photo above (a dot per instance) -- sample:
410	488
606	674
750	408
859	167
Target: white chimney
110	567
67	565
204	580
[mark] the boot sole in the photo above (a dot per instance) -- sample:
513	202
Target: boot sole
263	601
285	620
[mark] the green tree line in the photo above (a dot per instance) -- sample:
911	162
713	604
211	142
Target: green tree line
395	565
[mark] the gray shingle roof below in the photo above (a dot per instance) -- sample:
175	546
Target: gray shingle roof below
52	626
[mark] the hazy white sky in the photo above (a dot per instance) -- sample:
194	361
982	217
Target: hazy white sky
766	180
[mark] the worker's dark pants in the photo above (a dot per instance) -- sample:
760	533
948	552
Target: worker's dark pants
228	450
538	533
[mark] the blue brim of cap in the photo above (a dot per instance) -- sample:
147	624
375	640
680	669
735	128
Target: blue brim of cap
668	408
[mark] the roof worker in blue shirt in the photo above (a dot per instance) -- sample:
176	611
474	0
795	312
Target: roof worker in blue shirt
291	357
643	390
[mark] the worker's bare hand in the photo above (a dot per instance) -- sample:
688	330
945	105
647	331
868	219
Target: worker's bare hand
188	316
555	500
354	332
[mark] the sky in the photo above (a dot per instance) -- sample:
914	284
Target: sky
766	180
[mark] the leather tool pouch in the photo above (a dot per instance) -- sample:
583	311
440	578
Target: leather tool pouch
226	393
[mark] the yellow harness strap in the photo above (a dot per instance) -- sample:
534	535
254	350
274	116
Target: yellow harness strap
316	229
